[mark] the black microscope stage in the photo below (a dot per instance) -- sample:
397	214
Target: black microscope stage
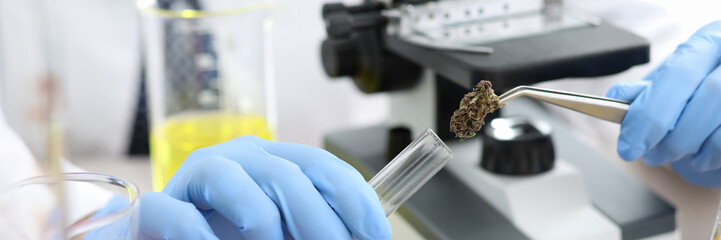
578	52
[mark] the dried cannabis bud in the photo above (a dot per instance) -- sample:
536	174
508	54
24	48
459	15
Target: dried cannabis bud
468	119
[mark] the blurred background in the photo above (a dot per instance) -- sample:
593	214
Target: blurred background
102	69
103	77
106	129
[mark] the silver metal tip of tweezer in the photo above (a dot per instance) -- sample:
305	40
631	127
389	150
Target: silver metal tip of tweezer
601	107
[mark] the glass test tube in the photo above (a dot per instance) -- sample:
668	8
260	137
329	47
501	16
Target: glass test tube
409	170
32	72
716	233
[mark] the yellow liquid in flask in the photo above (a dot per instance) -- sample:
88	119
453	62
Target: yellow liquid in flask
172	141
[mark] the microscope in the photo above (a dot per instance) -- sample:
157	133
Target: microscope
527	176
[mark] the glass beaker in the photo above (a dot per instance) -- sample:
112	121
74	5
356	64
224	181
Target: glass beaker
209	76
103	208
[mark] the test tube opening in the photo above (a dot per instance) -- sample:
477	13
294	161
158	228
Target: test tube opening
410	170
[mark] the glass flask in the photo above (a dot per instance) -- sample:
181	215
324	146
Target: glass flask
209	76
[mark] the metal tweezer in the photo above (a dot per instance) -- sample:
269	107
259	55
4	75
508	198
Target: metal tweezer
601	107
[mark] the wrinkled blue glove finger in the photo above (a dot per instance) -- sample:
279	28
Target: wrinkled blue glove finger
709	157
655	111
700	117
710	179
163	217
341	185
627	91
221	186
305	213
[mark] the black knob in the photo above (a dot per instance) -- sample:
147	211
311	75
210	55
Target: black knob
342	24
339	25
340	57
517	146
330	8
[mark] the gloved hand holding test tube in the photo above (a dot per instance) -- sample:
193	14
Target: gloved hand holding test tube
214	194
258	189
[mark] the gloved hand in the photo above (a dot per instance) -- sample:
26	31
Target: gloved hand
250	188
675	112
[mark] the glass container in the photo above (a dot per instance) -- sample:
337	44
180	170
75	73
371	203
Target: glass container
410	170
716	233
209	76
26	210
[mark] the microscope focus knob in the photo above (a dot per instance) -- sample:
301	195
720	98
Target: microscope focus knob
339	25
343	24
330	8
340	57
517	146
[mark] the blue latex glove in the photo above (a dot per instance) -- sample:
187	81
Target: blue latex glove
675	112
250	188
159	217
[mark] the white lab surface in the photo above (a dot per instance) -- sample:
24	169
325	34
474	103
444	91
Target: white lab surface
101	80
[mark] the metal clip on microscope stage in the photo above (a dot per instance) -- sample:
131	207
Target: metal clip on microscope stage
526	177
